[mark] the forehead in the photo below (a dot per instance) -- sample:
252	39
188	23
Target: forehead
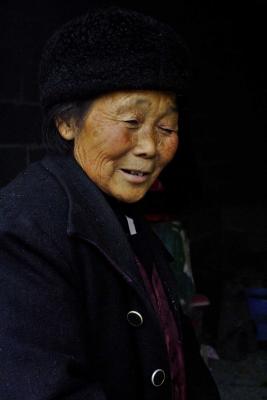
123	100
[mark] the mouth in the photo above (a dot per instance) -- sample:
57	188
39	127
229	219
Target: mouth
135	176
135	172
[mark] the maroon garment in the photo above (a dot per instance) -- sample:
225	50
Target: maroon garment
170	330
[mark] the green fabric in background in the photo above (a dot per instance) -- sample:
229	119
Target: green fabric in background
175	240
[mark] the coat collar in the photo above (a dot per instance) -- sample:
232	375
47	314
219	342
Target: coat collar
91	218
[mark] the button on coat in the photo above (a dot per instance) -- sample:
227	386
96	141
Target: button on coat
158	377
134	318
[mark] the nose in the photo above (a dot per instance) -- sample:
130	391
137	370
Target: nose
145	144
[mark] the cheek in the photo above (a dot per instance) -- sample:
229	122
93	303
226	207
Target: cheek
103	146
112	142
168	150
117	143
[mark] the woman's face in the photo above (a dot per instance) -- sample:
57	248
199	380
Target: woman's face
126	140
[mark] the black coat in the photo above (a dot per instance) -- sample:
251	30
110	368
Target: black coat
68	279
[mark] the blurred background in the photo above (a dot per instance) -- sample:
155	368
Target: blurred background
216	186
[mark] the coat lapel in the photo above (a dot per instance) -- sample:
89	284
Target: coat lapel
92	219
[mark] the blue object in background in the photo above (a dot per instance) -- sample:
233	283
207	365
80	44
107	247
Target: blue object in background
257	301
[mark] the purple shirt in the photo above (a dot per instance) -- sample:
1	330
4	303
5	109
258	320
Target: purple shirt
170	330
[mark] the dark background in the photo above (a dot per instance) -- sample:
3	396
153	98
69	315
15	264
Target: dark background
216	184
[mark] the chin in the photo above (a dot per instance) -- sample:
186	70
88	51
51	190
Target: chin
129	199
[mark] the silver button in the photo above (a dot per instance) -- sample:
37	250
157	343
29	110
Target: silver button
158	377
134	318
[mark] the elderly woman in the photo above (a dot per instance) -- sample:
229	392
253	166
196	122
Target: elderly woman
88	303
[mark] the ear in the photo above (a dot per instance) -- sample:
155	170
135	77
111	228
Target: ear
66	129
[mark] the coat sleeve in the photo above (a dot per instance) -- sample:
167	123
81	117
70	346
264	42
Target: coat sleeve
43	333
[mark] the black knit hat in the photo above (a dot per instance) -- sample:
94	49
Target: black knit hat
111	49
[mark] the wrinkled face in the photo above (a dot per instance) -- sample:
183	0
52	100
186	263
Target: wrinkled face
126	140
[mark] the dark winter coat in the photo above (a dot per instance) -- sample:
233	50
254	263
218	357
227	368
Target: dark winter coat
68	281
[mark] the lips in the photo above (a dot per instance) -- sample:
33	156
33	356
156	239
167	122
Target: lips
135	172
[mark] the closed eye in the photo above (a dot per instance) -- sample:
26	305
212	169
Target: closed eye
167	130
132	122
